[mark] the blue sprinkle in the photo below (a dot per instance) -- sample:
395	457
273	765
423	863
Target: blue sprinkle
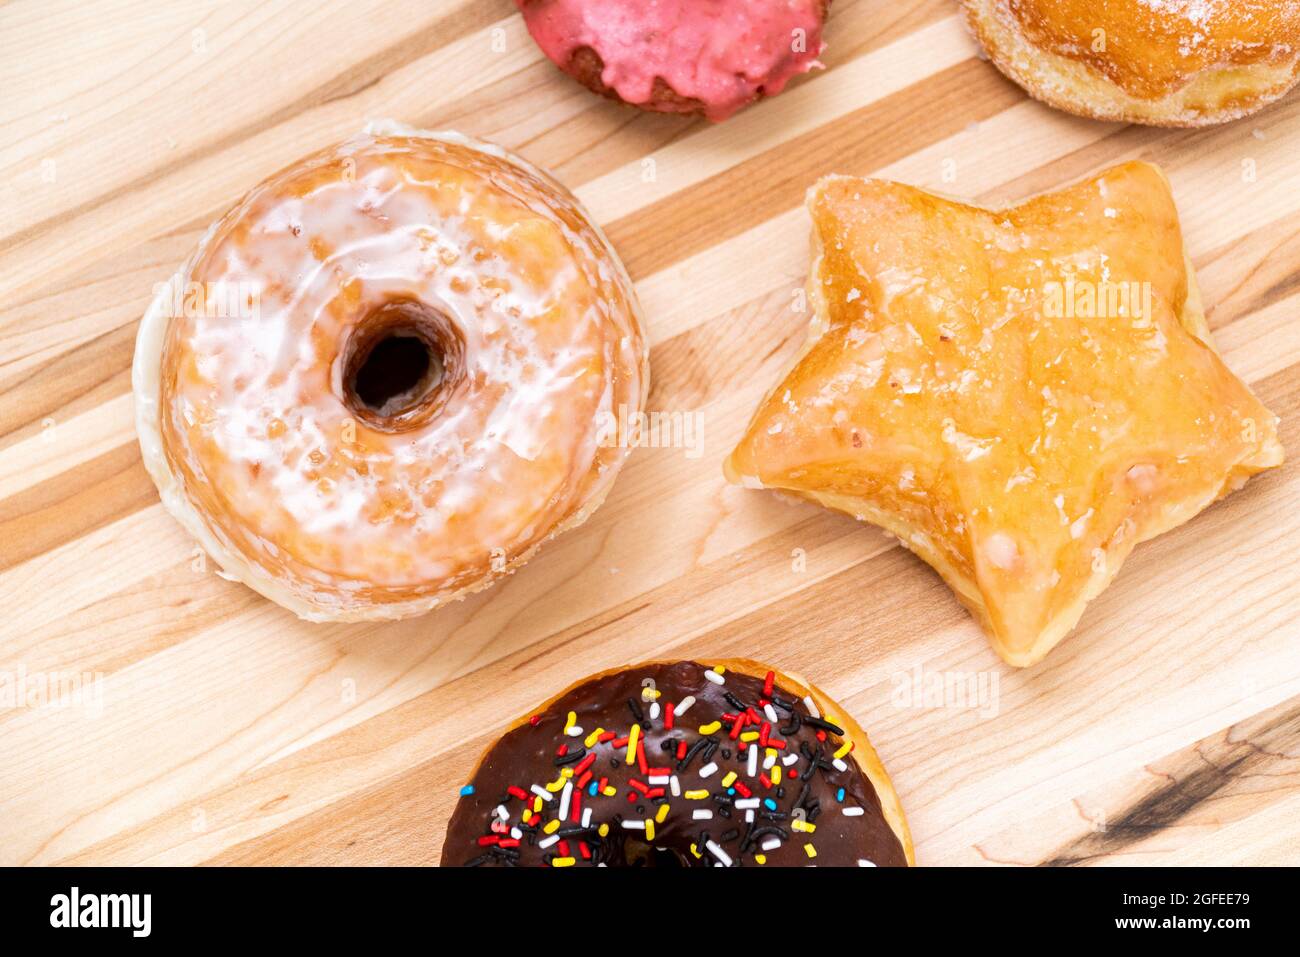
731	790
839	795
591	788
770	804
467	790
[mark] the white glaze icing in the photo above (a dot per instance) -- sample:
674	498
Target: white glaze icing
246	432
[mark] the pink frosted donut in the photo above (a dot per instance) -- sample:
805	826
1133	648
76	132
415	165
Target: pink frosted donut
708	57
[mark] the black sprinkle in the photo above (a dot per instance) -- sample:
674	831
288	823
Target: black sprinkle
573	757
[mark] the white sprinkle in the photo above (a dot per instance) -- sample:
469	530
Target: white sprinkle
701	815
744	804
574	732
634	825
771	844
863	862
548	841
811	706
719	853
675	786
542	793
658	778
565	796
752	769
768	762
789	759
749	817
839	764
586	817
853	812
708	769
770	712
502	812
717	679
684	705
516	833
654	710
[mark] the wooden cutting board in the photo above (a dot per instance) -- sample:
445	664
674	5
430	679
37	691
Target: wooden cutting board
218	728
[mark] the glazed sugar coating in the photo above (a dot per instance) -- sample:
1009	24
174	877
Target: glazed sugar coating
352	513
680	56
675	764
1020	395
1165	62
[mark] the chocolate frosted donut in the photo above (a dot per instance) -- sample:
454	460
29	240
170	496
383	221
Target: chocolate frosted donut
707	57
680	764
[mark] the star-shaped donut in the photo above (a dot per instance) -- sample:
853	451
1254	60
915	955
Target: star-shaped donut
1020	395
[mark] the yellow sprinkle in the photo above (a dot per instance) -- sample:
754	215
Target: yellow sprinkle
844	748
804	826
711	727
603	830
650	694
552	826
592	738
719	669
537	804
749	736
570	721
776	774
649	830
761	858
695	851
566	772
609	791
695	795
562	862
662	813
555	785
631	743
729	779
810	850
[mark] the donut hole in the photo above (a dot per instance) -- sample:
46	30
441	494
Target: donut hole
396	373
401	361
641	854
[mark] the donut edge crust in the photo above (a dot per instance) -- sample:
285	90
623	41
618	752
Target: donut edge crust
146	385
1191	317
1073	87
863	751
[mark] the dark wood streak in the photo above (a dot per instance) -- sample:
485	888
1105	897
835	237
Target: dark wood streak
1265	746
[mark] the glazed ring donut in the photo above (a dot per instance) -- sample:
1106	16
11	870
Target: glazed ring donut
1140	61
680	56
679	764
389	374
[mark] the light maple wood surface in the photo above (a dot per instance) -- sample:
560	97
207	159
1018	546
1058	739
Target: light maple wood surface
1165	730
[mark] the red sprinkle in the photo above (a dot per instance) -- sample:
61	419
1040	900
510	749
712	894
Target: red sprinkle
562	750
535	720
668	717
737	725
768	682
517	792
764	780
487	840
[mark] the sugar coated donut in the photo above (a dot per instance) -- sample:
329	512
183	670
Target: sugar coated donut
388	374
708	57
681	764
1159	62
